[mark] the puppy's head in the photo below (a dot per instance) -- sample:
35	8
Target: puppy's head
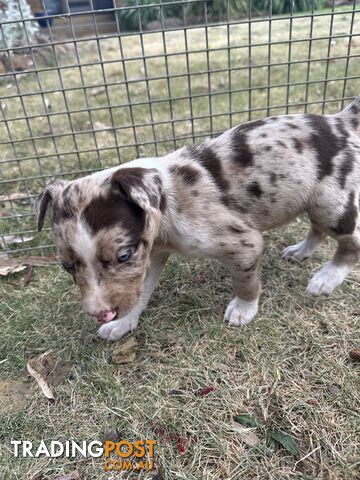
104	227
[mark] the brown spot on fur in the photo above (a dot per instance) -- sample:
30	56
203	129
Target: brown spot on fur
281	143
347	222
115	209
346	168
163	203
268	148
255	189
234	229
211	162
128	180
247	244
298	145
252	267
241	152
273	178
188	174
325	143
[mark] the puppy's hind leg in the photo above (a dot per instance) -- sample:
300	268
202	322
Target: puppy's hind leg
244	267
333	273
346	231
306	247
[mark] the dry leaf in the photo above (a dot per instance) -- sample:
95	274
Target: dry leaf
69	476
247	435
101	126
13	196
125	353
7	270
355	354
13	265
13	239
97	91
49	371
41	382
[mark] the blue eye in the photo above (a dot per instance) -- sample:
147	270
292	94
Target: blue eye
124	255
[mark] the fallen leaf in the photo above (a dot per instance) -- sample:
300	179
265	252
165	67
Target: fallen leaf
334	390
101	126
247	420
41	382
355	354
12	265
49	371
246	435
69	476
125	353
97	91
13	396
13	239
7	270
284	440
202	392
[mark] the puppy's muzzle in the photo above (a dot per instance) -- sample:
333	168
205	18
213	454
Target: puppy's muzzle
105	316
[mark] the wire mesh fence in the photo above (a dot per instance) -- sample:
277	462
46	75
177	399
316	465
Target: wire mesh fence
87	89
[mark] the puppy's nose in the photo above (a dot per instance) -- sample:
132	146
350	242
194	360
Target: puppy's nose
106	316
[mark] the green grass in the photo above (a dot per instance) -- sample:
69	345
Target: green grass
290	367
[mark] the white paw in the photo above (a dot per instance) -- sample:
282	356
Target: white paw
300	251
239	312
116	329
327	279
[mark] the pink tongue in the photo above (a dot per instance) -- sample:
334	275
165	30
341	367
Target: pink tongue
107	317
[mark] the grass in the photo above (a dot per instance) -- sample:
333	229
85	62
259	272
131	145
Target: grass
289	368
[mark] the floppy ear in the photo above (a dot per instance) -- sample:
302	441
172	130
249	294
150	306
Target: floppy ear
142	186
45	200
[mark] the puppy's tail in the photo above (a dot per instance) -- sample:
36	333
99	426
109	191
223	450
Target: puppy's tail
351	114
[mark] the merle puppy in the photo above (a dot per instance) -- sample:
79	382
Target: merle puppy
115	229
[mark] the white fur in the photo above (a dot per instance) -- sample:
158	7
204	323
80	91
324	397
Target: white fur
118	328
83	242
240	312
301	250
328	278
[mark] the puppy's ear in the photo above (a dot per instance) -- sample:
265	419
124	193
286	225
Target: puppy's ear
45	199
142	186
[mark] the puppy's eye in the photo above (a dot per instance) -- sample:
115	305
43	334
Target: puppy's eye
68	267
125	254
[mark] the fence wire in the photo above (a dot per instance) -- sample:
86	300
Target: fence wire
97	88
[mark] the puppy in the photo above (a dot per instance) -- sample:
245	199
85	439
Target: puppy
115	229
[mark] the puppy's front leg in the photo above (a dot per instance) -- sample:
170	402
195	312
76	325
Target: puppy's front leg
118	328
244	267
